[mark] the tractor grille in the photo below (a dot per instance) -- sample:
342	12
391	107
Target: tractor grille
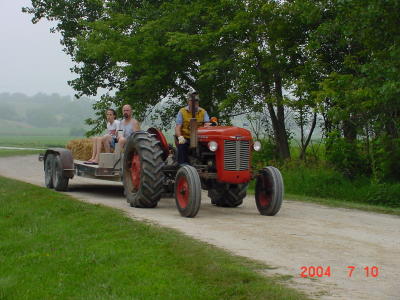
236	155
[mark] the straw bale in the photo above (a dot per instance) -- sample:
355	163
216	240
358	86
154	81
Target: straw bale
81	148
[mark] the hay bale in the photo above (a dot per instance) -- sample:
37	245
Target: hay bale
81	148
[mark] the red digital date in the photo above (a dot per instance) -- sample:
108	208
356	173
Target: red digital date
368	271
318	271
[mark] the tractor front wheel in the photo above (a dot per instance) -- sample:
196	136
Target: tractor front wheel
269	191
187	191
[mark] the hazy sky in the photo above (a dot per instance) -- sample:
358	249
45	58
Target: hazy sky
31	58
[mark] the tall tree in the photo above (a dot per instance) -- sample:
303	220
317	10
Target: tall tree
356	49
145	51
271	38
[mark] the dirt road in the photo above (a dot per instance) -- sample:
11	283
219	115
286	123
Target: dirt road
300	235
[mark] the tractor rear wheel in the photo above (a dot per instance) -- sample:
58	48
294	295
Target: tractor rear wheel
269	191
187	191
142	170
60	181
48	171
228	195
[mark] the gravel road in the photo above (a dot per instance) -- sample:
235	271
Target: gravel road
301	234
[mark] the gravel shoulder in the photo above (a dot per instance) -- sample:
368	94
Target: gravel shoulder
301	234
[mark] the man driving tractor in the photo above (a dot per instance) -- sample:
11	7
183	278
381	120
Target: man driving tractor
182	129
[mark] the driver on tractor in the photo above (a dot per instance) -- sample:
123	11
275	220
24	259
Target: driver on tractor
182	129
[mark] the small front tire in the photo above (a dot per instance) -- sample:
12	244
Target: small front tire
187	191
269	191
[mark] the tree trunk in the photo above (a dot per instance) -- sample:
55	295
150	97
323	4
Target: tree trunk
278	118
279	134
350	130
305	145
279	124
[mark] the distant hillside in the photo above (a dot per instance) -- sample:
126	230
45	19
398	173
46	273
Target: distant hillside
50	114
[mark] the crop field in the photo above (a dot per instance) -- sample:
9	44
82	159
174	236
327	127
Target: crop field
7	152
35	141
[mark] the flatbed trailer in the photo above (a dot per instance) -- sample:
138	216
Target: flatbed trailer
96	172
60	167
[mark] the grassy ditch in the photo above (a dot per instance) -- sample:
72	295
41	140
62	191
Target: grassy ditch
344	204
53	246
317	180
325	186
330	184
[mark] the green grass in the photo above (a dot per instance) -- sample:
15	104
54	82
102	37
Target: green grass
324	182
55	247
35	141
327	187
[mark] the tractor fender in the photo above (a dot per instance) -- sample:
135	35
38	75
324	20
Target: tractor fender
66	160
163	141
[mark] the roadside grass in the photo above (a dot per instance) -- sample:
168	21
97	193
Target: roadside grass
317	181
307	184
344	204
6	152
55	247
330	184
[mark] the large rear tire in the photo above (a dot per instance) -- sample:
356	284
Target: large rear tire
48	171
187	191
142	170
269	191
60	181
228	195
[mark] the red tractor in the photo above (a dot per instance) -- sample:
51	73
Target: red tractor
220	162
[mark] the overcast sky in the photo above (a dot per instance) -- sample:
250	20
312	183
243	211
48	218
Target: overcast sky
31	58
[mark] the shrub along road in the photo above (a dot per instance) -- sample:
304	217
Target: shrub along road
307	235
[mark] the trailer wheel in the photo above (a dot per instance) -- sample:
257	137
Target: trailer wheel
48	171
269	191
60	181
187	191
142	170
228	195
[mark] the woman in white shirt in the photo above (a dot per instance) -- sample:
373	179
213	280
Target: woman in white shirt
108	140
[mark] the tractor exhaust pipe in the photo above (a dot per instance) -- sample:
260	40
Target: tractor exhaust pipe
193	125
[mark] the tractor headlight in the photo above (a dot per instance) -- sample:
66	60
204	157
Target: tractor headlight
257	146
213	146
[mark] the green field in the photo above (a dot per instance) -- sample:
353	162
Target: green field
55	247
5	152
22	129
35	141
21	135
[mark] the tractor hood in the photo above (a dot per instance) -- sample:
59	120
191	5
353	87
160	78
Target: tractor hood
224	132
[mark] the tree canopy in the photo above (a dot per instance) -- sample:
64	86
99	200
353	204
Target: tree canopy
335	58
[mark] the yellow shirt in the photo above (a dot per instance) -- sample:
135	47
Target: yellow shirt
187	115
